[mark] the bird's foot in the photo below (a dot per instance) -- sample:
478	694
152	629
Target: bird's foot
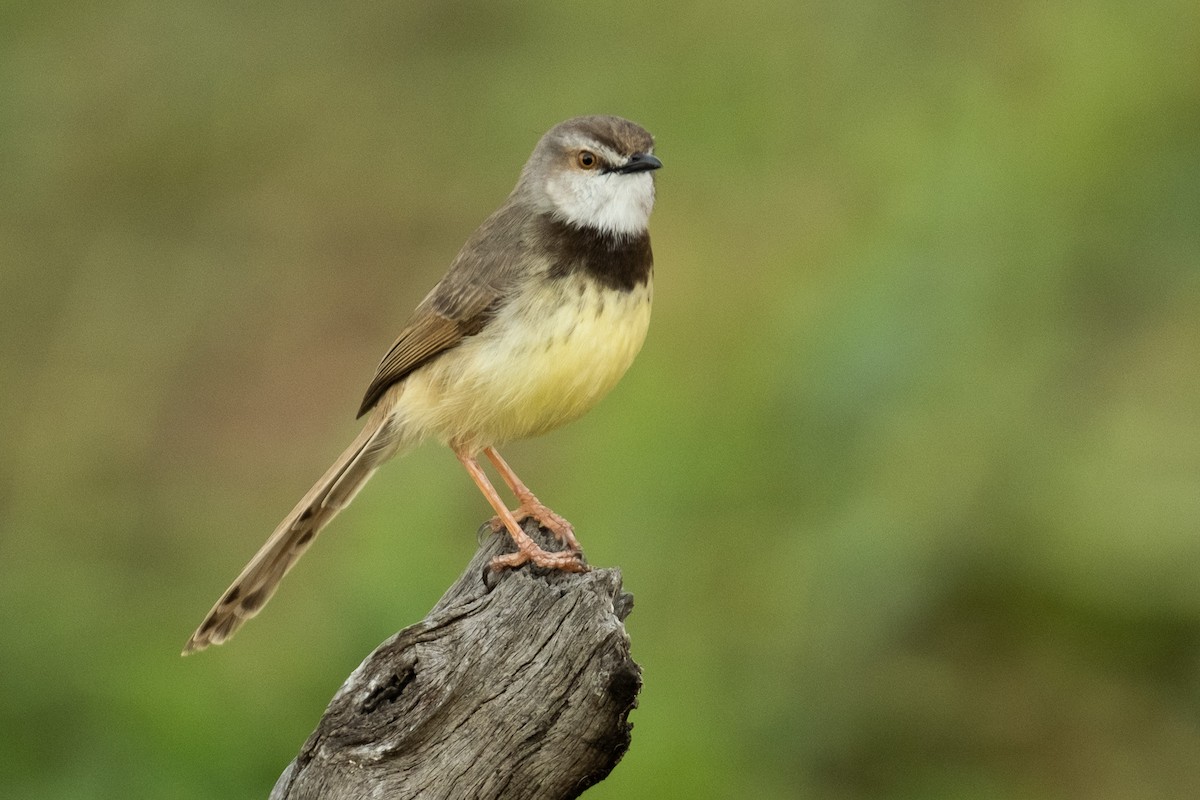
567	561
533	508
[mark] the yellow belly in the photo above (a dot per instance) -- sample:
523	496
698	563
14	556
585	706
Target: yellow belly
537	365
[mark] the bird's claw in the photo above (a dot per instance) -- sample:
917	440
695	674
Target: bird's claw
563	531
565	561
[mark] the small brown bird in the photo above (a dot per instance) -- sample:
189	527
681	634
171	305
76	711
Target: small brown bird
538	317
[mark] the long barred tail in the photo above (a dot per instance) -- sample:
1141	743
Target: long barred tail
378	441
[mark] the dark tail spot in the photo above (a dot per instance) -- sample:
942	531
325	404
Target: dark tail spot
254	600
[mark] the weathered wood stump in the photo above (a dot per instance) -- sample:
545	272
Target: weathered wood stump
518	684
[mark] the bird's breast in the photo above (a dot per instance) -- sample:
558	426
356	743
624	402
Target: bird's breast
545	359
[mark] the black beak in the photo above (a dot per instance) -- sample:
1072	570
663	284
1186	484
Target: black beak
639	162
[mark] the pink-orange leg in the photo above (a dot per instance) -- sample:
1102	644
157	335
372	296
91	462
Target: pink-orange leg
530	506
527	549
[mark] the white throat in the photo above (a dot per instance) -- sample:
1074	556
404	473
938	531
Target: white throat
612	202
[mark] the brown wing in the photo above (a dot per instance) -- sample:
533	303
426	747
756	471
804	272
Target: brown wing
429	333
461	304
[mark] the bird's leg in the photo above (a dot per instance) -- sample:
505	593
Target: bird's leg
530	506
527	549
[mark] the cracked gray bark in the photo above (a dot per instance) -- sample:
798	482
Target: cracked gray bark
518	684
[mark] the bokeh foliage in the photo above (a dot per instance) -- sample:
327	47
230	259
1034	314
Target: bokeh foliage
906	481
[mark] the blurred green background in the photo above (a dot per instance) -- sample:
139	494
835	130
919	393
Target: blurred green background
906	481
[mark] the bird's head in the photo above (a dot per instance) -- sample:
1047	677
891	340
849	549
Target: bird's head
594	172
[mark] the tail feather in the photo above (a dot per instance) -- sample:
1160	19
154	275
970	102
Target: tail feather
377	442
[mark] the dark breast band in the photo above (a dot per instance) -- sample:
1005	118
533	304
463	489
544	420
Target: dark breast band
615	261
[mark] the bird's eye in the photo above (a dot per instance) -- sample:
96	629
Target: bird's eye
587	159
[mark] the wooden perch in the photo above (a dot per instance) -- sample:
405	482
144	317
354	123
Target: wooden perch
518	684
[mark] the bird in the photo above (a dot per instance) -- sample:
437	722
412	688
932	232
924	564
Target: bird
538	316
